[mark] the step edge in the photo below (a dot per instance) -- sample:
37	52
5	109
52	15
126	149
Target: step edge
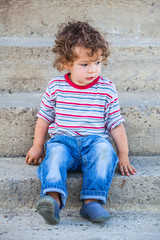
30	42
32	100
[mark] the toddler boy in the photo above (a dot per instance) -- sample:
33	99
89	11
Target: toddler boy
80	110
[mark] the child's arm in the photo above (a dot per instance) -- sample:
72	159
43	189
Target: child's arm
119	137
37	150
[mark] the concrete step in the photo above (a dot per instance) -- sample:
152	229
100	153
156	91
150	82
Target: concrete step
118	18
26	64
20	186
140	110
26	224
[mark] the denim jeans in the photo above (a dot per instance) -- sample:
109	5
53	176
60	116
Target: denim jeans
93	155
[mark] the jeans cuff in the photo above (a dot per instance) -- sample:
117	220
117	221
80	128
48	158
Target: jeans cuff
62	193
93	194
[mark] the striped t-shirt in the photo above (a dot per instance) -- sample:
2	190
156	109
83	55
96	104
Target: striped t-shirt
76	110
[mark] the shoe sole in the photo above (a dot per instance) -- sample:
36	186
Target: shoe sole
46	209
95	220
100	220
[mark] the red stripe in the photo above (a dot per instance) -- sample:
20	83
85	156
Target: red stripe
70	115
114	124
112	102
56	80
47	105
47	94
44	117
81	104
78	133
51	127
78	126
113	112
110	84
104	94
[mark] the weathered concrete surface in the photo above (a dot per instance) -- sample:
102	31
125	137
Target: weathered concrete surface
26	64
18	118
118	18
17	130
28	225
19	186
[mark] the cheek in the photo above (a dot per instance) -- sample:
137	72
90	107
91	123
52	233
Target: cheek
82	72
99	69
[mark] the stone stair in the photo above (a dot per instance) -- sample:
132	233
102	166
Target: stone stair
21	187
27	31
18	117
21	224
136	67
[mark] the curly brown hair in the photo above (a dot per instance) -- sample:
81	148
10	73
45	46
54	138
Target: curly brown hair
81	34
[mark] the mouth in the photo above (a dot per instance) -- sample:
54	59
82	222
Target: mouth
90	78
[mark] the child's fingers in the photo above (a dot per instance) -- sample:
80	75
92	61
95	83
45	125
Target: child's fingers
30	160
35	161
127	170
121	170
27	157
132	170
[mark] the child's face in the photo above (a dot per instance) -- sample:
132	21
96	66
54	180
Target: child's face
84	69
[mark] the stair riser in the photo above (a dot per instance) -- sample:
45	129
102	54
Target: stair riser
118	18
142	126
30	69
17	130
125	193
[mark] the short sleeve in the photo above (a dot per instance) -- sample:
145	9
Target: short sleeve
47	108
113	117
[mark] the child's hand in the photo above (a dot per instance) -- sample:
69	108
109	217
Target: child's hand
34	154
124	166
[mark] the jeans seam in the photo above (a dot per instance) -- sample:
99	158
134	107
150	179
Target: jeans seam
85	172
111	176
79	144
72	161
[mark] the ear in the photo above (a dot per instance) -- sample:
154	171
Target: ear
67	66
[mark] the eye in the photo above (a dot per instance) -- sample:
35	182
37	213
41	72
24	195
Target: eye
84	65
98	62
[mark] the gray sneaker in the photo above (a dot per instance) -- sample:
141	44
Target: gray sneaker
94	212
49	209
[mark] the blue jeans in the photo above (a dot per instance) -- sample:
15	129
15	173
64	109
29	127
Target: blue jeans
94	156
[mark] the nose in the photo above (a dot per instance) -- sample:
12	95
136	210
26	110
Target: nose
91	68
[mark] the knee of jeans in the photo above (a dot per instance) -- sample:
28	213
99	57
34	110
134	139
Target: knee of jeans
57	153
104	149
56	162
105	161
